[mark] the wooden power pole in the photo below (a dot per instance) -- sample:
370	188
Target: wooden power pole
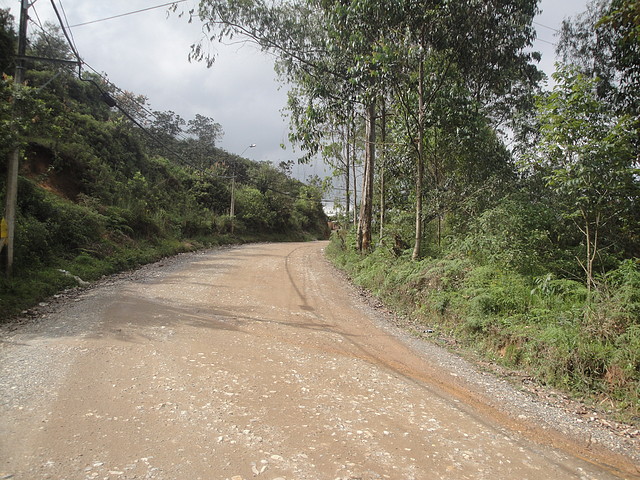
14	158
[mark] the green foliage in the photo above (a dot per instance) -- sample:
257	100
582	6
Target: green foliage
252	209
587	158
49	227
96	196
7	42
516	233
549	326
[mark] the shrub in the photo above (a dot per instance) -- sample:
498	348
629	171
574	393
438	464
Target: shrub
549	326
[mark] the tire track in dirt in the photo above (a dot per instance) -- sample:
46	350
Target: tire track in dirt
476	404
258	361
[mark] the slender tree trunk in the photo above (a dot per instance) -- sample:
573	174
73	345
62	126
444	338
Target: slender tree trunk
355	176
383	167
437	170
591	234
420	167
592	250
588	257
361	227
347	179
366	204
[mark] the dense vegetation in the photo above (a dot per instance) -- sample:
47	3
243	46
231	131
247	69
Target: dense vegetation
506	216
98	194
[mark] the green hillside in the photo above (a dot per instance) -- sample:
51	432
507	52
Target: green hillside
98	194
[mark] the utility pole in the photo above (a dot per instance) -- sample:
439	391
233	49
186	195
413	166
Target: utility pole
14	158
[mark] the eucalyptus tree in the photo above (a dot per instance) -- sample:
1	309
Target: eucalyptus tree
198	147
165	128
351	52
603	42
205	129
324	123
622	20
588	45
360	32
8	40
474	50
326	46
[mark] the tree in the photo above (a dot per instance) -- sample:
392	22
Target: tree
309	39
7	42
205	129
167	125
586	154
338	53
624	21
588	46
50	43
166	129
604	43
467	52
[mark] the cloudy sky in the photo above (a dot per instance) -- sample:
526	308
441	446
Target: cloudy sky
146	53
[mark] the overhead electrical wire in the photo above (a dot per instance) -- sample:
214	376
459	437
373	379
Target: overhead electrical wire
127	13
114	104
546	26
110	100
66	20
550	28
64	31
546	41
35	12
38	23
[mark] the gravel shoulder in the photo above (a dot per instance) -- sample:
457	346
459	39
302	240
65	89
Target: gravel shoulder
263	361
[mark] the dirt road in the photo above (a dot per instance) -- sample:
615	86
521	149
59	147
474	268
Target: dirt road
258	362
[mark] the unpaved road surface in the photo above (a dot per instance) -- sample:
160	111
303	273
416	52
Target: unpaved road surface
260	362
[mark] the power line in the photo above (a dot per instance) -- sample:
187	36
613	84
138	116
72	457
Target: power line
64	31
112	103
127	13
546	41
147	114
38	23
546	26
66	20
550	28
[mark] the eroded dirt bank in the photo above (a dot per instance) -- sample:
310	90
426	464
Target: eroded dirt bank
259	361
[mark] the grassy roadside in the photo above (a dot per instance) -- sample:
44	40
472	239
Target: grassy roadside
29	287
552	329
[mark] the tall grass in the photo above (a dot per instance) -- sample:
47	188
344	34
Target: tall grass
587	345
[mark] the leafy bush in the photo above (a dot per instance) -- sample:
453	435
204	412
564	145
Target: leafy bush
549	326
96	196
516	233
50	227
252	209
